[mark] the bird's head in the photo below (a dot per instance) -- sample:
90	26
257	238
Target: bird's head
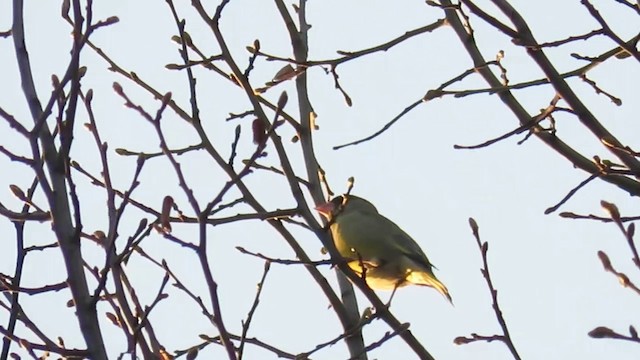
345	204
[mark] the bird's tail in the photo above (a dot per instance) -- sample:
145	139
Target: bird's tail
429	279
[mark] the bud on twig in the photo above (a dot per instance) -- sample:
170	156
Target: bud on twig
612	209
117	88
165	219
474	225
17	192
461	340
282	100
259	132
286	73
606	263
624	280
601	332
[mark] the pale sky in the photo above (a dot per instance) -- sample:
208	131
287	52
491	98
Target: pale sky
551	285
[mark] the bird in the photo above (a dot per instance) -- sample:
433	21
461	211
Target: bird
377	249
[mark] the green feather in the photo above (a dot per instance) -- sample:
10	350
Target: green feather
390	257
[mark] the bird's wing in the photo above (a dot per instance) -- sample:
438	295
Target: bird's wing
375	238
411	249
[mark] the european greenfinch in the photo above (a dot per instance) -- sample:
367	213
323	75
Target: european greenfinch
376	248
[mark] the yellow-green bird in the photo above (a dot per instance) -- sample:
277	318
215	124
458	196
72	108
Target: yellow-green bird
390	257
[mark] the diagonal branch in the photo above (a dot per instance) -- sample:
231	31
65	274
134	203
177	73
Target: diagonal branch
630	185
525	38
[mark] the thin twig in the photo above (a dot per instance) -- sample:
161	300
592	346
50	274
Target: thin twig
484	248
283	261
573	191
256	300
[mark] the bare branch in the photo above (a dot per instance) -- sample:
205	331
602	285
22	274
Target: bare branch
505	337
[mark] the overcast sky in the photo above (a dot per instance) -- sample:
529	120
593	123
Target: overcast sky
551	285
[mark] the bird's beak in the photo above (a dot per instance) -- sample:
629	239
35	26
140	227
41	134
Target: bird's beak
325	209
